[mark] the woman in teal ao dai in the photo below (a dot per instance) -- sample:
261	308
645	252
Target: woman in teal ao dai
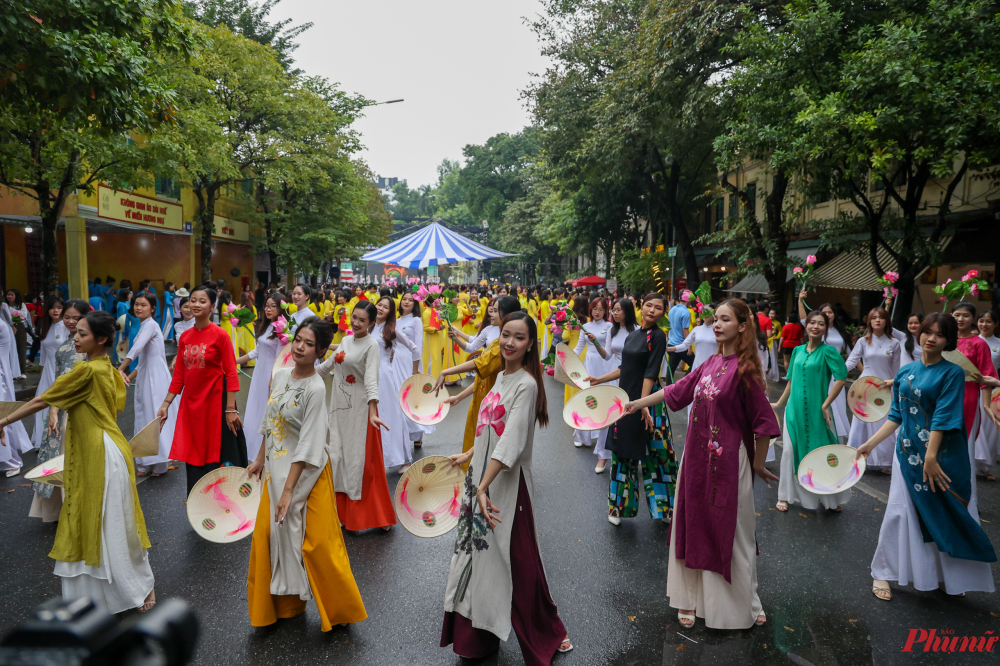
930	534
809	394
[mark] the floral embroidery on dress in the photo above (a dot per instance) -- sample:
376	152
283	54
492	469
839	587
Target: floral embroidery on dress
490	414
350	379
914	459
706	388
924	436
194	355
339	357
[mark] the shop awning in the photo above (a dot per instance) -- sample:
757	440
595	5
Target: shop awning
756	284
849	270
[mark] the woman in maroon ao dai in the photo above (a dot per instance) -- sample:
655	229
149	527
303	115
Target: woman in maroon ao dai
712	567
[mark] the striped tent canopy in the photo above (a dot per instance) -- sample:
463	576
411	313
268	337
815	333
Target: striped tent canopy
433	245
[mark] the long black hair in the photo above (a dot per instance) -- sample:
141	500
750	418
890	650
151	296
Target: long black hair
532	362
209	291
45	320
836	323
629	311
102	325
910	340
262	321
389	329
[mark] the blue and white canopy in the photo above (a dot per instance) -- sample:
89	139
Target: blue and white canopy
433	245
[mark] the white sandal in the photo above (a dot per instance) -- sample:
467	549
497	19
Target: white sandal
683	617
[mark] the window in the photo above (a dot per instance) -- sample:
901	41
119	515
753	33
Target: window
720	214
248	187
733	209
166	187
752	200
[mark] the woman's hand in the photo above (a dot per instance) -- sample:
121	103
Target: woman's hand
124	375
828	415
591	336
864	450
934	474
489	510
594	381
439	382
54	421
282	507
233	421
764	473
451	401
3	437
647	418
161	413
989	381
256	468
377	422
888	382
803	294
630	407
460	458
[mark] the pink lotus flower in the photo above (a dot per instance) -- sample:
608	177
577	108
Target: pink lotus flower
810	260
973	273
280	326
550	370
891	276
686	295
561	315
975	288
556	330
490	414
797	270
436	303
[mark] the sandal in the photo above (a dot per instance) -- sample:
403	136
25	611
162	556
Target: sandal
761	619
989	477
566	645
149	603
684	617
142	473
886	593
782	505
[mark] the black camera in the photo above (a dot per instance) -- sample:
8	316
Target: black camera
78	633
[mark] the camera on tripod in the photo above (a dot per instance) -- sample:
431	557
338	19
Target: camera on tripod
78	633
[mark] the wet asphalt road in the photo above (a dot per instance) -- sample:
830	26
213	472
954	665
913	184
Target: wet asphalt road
608	582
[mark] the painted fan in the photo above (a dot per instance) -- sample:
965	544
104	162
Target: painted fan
870	399
569	368
50	472
595	408
222	506
420	405
831	469
429	496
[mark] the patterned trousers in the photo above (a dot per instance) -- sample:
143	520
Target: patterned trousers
659	473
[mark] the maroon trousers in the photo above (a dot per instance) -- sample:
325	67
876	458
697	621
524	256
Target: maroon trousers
533	613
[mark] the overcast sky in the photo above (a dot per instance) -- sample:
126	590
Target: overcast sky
459	64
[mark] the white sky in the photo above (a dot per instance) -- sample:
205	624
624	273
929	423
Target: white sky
459	64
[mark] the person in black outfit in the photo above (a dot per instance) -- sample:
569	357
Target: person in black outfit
642	439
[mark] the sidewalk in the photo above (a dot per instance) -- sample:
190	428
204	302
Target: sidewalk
24	389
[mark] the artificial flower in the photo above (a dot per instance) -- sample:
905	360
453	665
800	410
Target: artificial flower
810	260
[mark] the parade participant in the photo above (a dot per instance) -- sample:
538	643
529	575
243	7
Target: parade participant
264	352
47	500
572	337
488	332
342	316
17	307
623	316
702	338
910	344
641	440
53	333
109	294
411	325
712	565
592	336
132	322
838	338
208	431
499	546
167	320
120	313
301	295
815	378
101	543
452	355
17	436
791	337
187	317
486	367
930	534
225	300
774	348
152	380
363	499
302	555
544	310
879	355
977	396
395	366
988	440
246	337
680	325
435	340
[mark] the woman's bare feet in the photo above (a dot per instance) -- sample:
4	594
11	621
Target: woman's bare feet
150	602
880	588
142	473
782	505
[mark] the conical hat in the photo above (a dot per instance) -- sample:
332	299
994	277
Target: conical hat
429	496
222	506
50	472
569	367
869	399
420	405
962	361
283	359
8	408
122	348
831	469
147	441
595	408
995	401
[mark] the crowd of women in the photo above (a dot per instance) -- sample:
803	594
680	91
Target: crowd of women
322	454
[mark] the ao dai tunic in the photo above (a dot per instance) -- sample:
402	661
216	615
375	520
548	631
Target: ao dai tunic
413	328
152	381
294	430
725	415
594	363
810	376
52	445
881	357
705	345
993	343
395	365
355	384
479	579
56	335
483	339
977	351
264	353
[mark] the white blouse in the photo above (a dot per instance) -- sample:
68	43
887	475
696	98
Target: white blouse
881	357
705	344
483	339
994	343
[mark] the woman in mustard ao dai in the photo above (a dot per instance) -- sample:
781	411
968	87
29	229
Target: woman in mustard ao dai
298	550
712	566
496	545
815	378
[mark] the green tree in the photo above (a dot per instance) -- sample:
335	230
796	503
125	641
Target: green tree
492	174
250	19
75	81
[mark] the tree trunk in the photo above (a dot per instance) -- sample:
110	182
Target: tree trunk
206	201
777	284
50	254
